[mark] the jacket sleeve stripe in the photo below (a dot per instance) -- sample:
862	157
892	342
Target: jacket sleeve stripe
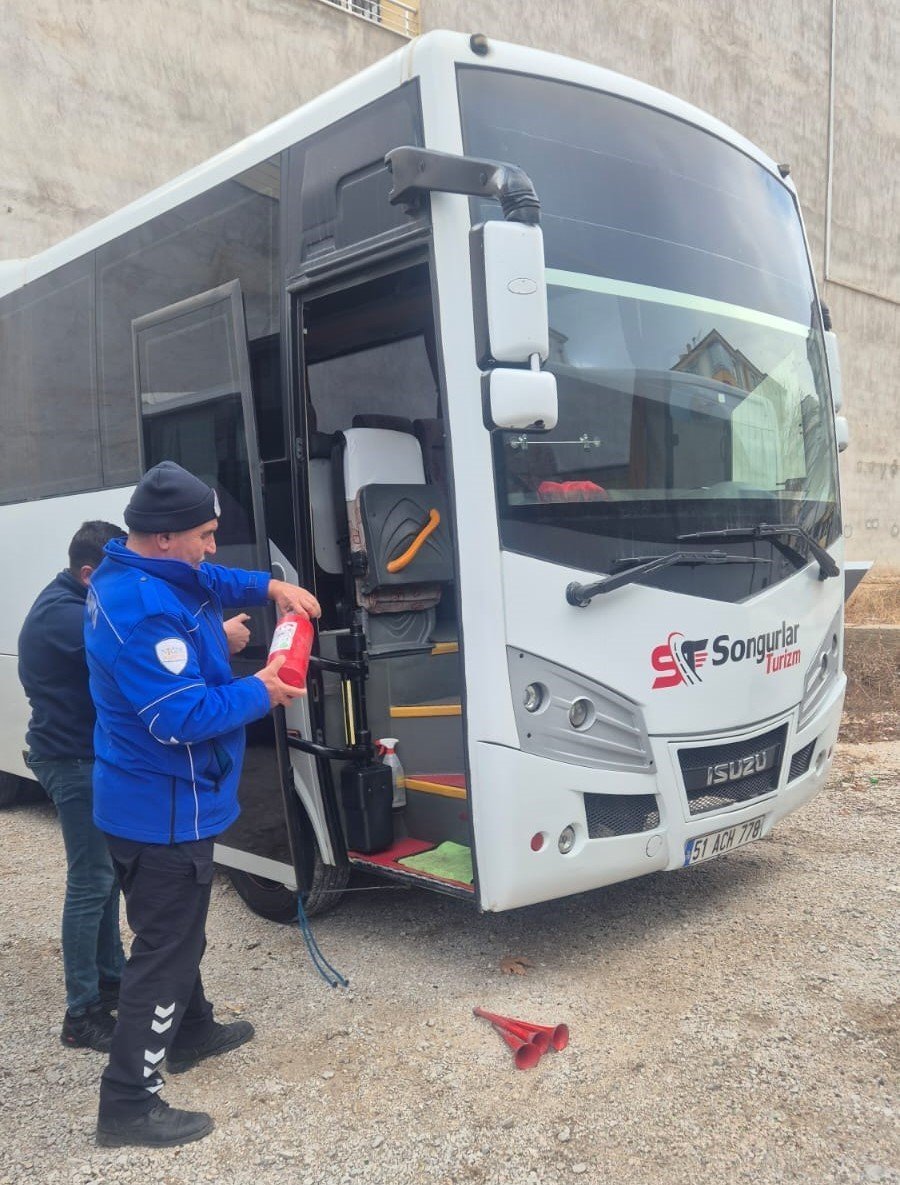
173	741
107	617
160	698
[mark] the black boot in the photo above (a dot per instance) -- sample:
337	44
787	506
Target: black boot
93	1030
161	1127
220	1040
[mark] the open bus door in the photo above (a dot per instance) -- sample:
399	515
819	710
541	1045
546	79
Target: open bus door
372	396
193	385
381	548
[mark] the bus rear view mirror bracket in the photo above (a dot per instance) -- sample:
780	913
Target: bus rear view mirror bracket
509	289
519	399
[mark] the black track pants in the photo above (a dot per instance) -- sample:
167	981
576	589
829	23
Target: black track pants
166	890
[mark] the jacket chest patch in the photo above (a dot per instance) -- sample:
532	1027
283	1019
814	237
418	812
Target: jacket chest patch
172	654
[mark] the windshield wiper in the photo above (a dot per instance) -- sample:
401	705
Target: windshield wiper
582	594
827	566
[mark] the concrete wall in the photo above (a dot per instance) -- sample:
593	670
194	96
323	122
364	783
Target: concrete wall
105	99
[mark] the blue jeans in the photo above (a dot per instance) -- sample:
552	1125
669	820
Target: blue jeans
92	948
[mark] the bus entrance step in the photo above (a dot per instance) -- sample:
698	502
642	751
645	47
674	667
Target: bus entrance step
389	861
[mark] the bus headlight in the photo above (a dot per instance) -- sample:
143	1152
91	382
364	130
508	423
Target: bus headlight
562	714
581	713
821	673
566	840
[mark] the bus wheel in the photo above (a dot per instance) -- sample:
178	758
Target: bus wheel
270	899
10	789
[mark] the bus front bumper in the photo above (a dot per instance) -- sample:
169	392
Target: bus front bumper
534	840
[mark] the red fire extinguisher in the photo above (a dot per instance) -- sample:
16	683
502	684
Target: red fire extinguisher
293	638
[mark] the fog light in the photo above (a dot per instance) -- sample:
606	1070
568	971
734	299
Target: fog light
535	694
566	840
581	713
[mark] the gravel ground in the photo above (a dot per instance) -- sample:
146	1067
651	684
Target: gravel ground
735	1023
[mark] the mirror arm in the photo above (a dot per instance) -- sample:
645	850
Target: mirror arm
417	171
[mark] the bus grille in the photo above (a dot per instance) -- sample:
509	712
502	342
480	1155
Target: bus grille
800	761
696	765
620	814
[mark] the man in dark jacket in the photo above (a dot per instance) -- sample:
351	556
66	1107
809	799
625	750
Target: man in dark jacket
60	740
169	745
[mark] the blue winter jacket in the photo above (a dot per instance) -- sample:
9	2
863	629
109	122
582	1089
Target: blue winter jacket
169	739
52	671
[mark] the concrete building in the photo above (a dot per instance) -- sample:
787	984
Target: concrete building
104	101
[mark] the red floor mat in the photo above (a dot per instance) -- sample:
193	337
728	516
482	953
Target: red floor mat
397	851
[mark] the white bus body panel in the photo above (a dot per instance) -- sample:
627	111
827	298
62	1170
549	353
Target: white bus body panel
524	794
611	641
36	537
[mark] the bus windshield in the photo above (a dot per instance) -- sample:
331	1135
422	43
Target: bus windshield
684	332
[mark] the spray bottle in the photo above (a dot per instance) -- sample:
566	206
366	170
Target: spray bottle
387	747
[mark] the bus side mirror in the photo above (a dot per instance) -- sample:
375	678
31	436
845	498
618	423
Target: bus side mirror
833	358
520	399
841	432
509	293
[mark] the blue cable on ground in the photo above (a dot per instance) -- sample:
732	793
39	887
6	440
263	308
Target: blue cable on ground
331	976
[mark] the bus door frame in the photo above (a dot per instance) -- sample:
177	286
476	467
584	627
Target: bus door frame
300	870
336	272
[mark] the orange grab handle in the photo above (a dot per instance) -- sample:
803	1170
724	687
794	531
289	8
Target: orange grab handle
397	565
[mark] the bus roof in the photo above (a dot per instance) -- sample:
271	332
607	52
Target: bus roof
437	52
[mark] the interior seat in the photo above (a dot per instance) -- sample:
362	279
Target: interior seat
387	503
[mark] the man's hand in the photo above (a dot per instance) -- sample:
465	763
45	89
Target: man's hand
237	633
291	598
280	694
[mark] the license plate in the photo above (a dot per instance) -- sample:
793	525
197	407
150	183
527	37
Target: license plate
717	843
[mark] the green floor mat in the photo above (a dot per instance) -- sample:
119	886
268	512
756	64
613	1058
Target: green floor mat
451	861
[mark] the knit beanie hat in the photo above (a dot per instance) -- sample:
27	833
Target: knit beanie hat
168	498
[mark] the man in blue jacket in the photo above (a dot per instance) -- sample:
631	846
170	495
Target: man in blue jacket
169	744
60	740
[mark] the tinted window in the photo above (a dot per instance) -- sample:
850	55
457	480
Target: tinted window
631	193
229	233
48	387
338	184
684	337
193	413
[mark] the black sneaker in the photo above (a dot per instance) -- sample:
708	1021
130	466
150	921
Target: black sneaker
220	1040
161	1127
93	1030
109	994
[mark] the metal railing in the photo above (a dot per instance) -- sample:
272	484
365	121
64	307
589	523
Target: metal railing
400	16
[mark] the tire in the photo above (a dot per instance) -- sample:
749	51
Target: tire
272	900
32	792
10	789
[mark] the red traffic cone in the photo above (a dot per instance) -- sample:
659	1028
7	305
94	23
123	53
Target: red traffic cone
517	1028
557	1035
525	1053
